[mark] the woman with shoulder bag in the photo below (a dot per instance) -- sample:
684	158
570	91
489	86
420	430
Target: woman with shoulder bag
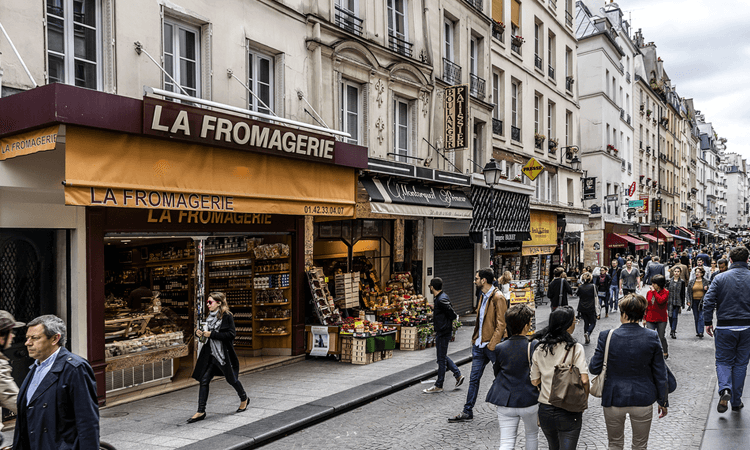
603	283
697	288
676	300
557	350
587	302
516	398
636	375
217	357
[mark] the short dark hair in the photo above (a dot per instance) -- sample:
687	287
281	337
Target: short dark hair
517	317
739	254
633	306
722	261
437	283
655	259
659	280
487	274
702	270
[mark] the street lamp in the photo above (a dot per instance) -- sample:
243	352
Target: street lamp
491	172
575	164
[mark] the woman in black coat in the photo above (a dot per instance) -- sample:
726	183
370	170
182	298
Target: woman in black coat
602	283
217	357
587	300
559	289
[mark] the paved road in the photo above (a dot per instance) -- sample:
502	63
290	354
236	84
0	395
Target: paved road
410	419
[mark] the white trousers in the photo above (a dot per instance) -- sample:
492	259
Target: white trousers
509	417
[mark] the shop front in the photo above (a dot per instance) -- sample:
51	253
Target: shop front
618	239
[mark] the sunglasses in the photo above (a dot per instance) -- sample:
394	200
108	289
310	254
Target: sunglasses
211	301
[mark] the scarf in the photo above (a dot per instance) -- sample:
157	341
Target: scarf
217	350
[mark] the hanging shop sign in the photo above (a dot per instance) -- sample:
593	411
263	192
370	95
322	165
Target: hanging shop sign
28	143
456	117
392	190
631	189
589	188
643	210
543	234
532	169
635	204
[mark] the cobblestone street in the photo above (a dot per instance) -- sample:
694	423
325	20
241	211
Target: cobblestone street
410	419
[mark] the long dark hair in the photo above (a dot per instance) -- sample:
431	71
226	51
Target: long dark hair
557	331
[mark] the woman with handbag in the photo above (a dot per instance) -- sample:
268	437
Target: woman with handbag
558	367
631	374
516	398
676	300
587	305
697	288
602	283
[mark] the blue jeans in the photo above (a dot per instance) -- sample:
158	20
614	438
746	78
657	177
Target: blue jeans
732	356
614	293
605	301
561	428
480	357
698	316
441	346
673	318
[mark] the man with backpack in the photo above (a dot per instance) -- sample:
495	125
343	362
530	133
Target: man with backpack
442	319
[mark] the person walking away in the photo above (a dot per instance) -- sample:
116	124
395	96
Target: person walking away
587	301
504	283
512	392
614	285
645	261
562	428
620	260
8	387
728	296
703	255
676	301
656	313
489	330
696	290
603	291
655	268
684	259
442	320
558	290
217	357
630	279
57	405
636	376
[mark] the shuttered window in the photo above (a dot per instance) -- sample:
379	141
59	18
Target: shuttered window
497	10
515	13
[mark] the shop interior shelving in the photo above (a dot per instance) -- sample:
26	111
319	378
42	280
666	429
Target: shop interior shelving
272	306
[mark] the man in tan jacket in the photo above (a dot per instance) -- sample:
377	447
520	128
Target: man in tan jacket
488	332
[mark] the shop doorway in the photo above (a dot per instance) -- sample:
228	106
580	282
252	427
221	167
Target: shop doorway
454	263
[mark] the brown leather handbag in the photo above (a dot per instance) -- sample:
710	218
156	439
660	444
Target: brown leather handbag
567	391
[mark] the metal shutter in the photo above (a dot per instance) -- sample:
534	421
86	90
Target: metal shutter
454	263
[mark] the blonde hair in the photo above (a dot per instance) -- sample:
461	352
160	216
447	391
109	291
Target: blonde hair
586	277
507	276
221	299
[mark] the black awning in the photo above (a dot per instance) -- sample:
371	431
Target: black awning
506	212
392	190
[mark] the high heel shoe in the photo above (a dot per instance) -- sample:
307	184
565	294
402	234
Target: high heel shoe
196	418
245	402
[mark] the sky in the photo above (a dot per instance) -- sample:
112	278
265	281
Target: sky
705	45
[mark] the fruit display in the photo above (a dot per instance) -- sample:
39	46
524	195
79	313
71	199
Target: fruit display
364	328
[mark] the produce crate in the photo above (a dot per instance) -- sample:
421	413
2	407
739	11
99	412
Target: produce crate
409	338
346	348
362	358
387	354
377	356
385	342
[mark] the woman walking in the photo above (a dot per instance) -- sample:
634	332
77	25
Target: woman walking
217	357
656	313
504	284
696	289
516	398
561	427
636	376
676	302
602	283
587	300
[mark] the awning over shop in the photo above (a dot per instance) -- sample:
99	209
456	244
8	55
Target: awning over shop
507	212
623	240
689	233
677	236
393	196
664	234
647	237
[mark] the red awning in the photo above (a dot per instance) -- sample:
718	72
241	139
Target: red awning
665	235
623	240
691	235
647	237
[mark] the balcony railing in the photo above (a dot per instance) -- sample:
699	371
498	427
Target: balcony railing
515	45
628	119
622	114
538	62
622	67
348	21
515	133
497	127
477	86
553	4
399	45
498	32
476	4
569	84
451	72
627	77
551	72
568	19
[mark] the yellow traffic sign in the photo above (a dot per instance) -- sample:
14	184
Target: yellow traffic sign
532	169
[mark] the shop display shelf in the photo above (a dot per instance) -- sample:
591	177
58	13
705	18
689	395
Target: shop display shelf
280	272
272	304
272	318
229	276
273	289
246	288
172	290
273	334
243	321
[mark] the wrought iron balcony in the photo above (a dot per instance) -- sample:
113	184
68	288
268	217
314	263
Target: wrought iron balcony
476	4
622	114
551	72
627	77
451	72
515	133
553	4
568	19
399	45
628	119
569	84
477	86
497	127
348	21
538	62
498	31
622	67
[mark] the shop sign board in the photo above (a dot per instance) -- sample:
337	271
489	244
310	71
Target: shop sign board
589	188
631	189
456	117
28	143
404	192
643	211
538	250
596	209
635	204
532	169
508	247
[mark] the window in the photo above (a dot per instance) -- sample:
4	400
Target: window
537	114
401	128
550	120
473	57
537	44
551	54
606	83
351	112
568	125
496	95
448	31
73	42
260	81
515	108
515	17
181	57
397	30
568	62
476	143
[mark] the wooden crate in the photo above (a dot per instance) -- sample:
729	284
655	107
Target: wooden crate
346	348
363	358
377	356
387	354
409	339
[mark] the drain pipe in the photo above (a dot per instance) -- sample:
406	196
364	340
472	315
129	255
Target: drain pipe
18	55
433	94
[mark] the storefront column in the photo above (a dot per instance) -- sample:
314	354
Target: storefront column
200	287
299	258
309	241
95	297
398	245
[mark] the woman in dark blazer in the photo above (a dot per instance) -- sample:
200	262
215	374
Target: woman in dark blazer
512	391
556	299
217	357
636	375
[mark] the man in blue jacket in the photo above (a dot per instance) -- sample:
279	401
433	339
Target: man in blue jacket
727	295
57	407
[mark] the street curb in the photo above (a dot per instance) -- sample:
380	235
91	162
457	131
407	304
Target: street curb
276	426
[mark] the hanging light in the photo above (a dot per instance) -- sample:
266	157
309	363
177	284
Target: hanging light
491	172
575	163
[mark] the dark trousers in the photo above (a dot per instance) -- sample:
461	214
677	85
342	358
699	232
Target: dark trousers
206	381
561	428
441	347
604	301
732	357
674	315
480	357
589	321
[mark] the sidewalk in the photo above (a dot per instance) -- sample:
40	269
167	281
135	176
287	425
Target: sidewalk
728	431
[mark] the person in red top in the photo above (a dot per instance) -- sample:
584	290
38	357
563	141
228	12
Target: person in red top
656	314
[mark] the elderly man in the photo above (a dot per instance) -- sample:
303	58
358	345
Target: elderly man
57	407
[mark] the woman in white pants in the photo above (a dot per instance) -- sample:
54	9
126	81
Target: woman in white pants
512	391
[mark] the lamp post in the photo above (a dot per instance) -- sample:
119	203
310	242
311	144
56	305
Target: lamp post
491	173
657	219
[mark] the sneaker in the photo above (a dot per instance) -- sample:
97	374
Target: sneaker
433	390
460	380
724	396
738	407
586	336
463	417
